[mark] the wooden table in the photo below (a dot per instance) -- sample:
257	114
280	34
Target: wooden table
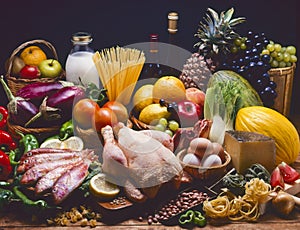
270	220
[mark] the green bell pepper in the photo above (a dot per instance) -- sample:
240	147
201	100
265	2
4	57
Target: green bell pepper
186	218
191	218
5	197
28	142
66	130
199	219
26	201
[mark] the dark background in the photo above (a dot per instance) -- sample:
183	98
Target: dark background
125	22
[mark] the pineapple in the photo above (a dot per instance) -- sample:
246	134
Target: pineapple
196	72
217	34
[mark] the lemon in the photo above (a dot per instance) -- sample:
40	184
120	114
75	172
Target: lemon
33	55
152	113
143	97
101	188
52	143
74	143
169	88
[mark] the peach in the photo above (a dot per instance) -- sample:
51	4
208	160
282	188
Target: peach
195	95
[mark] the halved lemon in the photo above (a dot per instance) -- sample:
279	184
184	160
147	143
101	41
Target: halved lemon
74	143
100	187
52	143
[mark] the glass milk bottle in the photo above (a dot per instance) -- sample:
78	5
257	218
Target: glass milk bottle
80	65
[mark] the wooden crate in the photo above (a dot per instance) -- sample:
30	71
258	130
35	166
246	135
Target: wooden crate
283	77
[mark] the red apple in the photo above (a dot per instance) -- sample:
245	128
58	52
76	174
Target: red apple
30	72
189	113
195	95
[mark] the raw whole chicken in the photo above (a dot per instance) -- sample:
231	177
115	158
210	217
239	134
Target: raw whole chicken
138	161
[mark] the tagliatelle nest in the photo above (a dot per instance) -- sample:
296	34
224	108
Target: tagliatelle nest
238	208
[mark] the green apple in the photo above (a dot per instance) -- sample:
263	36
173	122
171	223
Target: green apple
50	68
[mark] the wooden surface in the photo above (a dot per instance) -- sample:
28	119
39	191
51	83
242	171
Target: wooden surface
127	218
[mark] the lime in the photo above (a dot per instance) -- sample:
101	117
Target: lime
143	97
152	113
100	187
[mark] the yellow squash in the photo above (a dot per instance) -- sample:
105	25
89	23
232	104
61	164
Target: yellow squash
271	123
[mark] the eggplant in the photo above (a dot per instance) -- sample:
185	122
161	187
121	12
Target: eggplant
66	97
20	110
59	106
36	92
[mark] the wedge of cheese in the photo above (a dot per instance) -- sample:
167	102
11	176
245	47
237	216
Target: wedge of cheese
248	148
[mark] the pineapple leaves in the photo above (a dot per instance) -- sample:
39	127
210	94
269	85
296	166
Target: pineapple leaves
216	33
214	14
228	15
237	21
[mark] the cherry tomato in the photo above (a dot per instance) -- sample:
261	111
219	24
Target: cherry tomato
103	117
118	108
84	113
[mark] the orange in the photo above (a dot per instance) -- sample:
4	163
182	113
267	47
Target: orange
169	88
33	55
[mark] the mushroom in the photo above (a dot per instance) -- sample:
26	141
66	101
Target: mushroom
284	202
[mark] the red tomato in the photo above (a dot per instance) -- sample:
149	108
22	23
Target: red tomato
103	117
118	108
84	113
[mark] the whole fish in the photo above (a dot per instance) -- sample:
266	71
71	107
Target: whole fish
47	181
34	160
41	151
69	181
49	156
40	170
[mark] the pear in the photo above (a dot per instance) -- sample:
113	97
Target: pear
17	65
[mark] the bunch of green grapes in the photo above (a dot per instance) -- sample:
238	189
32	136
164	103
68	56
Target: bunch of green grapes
280	56
239	44
169	127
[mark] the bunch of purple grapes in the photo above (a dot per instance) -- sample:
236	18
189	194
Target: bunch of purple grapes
246	58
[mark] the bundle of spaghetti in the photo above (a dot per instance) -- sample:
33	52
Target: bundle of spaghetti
119	69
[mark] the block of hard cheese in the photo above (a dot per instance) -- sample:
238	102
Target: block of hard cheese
248	148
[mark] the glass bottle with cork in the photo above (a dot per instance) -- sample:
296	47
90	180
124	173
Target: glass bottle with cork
173	56
80	67
152	67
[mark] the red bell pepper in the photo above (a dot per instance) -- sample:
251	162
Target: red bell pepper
290	175
277	178
5	166
6	141
3	116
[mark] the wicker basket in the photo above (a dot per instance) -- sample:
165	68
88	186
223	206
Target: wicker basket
283	77
15	83
205	173
40	133
137	124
